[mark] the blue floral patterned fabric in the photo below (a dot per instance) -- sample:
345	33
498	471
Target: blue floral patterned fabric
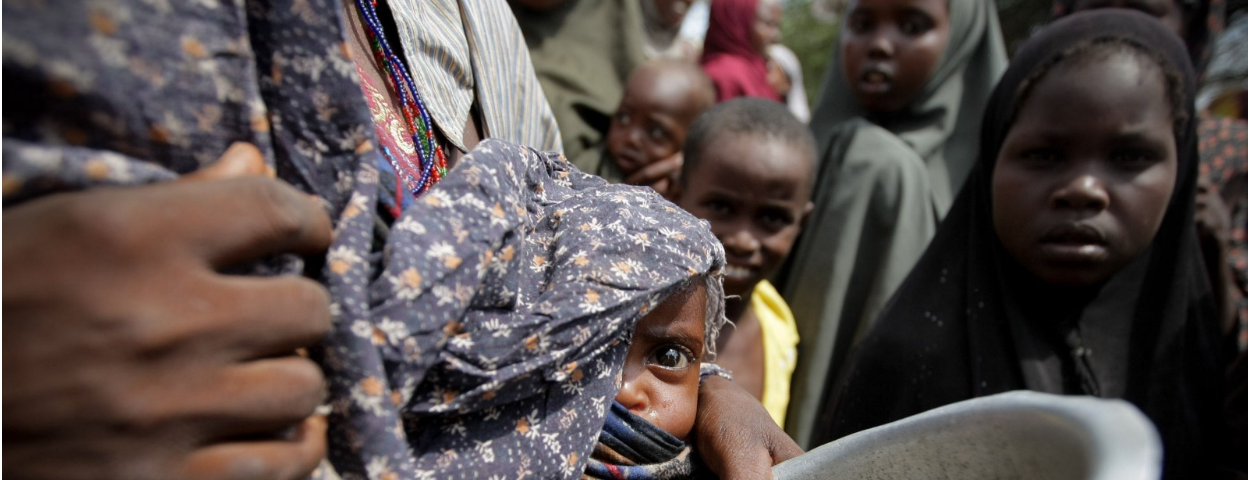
481	337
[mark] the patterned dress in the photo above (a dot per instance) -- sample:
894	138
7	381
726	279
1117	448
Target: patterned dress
479	337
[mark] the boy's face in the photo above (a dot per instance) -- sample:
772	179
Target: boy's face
652	119
660	378
890	49
755	191
1084	176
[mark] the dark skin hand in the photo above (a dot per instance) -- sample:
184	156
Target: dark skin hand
127	355
663	175
736	437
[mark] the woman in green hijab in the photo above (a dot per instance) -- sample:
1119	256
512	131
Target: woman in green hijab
897	127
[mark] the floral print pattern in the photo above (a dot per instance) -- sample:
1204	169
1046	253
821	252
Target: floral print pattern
479	338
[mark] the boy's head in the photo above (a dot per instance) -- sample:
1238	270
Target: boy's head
659	381
749	170
661	99
890	49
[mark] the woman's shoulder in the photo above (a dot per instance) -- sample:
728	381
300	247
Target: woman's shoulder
875	155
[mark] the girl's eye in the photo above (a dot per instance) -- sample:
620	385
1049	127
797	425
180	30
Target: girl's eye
860	24
657	134
916	25
671	357
1039	156
1134	157
623	118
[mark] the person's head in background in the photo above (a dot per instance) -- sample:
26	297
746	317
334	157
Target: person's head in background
743	27
778	78
890	49
749	168
661	99
1195	21
766	28
659	381
666	14
1086	172
784	73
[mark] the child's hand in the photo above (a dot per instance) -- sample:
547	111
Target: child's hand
736	437
663	175
126	354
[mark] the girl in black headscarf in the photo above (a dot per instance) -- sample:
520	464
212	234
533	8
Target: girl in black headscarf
1068	263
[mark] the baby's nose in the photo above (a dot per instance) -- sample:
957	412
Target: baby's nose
633	397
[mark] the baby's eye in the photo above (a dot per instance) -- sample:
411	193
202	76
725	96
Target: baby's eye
671	357
657	134
623	118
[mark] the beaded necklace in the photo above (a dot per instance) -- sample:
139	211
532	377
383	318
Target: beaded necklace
431	166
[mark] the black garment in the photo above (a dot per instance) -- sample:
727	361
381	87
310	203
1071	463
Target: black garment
969	321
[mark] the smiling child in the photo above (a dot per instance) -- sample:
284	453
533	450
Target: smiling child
748	169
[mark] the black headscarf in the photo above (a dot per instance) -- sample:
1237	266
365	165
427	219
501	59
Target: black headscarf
1202	19
969	322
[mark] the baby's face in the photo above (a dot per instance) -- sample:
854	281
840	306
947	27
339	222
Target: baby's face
660	378
652	119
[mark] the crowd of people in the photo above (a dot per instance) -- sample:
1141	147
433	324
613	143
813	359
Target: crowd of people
406	239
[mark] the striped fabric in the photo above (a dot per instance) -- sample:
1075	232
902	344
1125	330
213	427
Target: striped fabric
464	45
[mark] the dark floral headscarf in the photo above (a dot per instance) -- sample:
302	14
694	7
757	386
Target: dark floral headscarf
479	335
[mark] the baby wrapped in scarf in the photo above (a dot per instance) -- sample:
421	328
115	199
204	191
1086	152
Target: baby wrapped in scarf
494	336
654	411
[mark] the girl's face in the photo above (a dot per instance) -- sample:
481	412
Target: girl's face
1085	173
766	29
890	49
660	378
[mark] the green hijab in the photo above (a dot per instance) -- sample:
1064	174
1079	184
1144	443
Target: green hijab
900	173
933	125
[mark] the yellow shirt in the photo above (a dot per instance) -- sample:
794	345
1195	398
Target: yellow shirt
780	339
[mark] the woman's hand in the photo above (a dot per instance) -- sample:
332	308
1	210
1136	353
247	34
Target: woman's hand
126	353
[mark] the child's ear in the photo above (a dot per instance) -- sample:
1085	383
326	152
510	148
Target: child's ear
810	208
